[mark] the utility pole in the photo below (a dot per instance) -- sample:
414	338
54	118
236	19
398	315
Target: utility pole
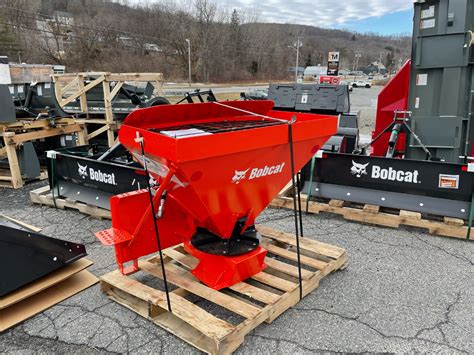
298	44
357	55
188	41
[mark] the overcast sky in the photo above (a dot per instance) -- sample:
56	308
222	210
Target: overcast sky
383	16
380	16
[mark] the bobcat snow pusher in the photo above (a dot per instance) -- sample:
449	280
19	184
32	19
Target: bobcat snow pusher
421	154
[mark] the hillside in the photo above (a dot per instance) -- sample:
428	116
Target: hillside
225	44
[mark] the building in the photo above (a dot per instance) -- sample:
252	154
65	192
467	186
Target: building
375	68
344	72
315	71
56	32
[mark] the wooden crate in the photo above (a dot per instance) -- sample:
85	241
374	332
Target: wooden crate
15	134
370	214
260	299
43	196
70	87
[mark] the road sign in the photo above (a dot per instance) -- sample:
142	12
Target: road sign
333	57
333	64
333	80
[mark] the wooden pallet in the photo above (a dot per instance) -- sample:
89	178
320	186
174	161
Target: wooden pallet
365	213
43	196
260	299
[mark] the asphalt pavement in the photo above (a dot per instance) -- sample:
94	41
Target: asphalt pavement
403	291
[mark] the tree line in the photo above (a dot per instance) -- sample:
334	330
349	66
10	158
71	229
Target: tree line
226	44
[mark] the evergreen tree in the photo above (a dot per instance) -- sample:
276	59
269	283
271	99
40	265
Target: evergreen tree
389	60
309	60
235	38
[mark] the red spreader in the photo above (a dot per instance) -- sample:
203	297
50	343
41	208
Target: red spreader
217	166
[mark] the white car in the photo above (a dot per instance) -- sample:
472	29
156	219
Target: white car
361	84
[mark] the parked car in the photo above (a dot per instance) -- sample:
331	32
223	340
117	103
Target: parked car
361	84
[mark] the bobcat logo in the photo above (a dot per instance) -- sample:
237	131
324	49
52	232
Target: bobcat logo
359	169
239	175
82	170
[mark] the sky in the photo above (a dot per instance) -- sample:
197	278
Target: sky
382	16
386	17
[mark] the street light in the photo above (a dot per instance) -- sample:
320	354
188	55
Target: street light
188	41
297	45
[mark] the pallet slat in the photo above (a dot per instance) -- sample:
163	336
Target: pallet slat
307	244
287	269
275	282
180	279
255	293
291	255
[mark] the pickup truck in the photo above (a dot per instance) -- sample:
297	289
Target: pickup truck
361	84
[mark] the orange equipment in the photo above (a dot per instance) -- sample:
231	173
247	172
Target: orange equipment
217	166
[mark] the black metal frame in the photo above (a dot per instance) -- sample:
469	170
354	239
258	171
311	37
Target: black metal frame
188	97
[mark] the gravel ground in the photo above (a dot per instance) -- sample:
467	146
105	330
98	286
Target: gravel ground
403	291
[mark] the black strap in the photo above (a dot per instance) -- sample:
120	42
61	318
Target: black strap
155	224
296	209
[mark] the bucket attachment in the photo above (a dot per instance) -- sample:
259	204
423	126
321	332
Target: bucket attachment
217	167
26	256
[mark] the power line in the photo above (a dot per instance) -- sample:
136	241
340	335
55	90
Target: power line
105	43
71	36
36	16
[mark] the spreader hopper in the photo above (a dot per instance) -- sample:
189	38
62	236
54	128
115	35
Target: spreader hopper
216	167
